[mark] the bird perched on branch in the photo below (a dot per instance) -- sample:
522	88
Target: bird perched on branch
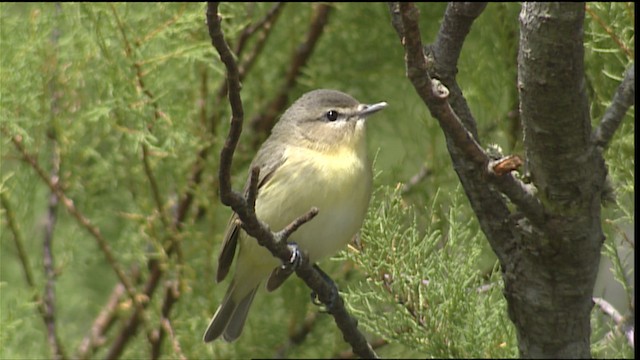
316	156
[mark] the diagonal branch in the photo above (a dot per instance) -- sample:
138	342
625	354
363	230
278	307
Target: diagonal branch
24	261
435	95
301	55
264	26
246	212
263	29
621	322
103	322
171	296
80	218
623	99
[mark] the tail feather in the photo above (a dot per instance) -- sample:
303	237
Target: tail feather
230	317
236	323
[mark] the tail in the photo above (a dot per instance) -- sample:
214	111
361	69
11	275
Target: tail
229	319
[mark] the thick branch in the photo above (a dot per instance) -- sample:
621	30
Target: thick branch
456	24
551	302
244	207
436	96
623	99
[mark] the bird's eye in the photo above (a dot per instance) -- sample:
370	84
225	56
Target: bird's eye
332	115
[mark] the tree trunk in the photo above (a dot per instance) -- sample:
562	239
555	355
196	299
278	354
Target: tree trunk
551	274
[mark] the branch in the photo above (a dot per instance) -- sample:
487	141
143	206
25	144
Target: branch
264	26
455	27
628	52
435	95
141	86
348	354
297	334
128	330
17	240
233	83
301	55
47	253
243	207
101	324
24	261
171	296
415	179
618	319
166	325
623	99
263	29
49	299
80	218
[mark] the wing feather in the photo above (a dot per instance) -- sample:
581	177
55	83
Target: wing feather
269	158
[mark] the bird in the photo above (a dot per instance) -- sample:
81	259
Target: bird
316	156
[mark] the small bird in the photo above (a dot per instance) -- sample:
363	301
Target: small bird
316	156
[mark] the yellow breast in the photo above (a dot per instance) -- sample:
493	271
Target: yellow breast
337	182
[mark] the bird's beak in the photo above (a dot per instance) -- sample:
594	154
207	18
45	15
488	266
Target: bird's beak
366	110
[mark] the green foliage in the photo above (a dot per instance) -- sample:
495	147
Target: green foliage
609	51
99	82
423	287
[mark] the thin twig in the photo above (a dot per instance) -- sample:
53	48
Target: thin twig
415	179
609	32
620	321
608	309
17	239
166	325
239	204
47	253
24	260
264	24
301	55
156	271
80	218
130	328
103	322
291	228
197	169
171	296
623	99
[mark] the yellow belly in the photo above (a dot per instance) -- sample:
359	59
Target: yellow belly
338	184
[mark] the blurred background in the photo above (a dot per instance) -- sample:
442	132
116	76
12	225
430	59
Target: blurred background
122	105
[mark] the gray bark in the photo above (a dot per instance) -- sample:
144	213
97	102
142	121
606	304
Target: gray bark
554	268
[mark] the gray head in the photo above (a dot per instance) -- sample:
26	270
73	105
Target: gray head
325	119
